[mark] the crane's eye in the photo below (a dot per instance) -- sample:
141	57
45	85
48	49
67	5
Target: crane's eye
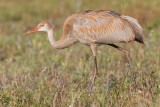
41	25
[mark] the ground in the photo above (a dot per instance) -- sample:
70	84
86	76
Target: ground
32	73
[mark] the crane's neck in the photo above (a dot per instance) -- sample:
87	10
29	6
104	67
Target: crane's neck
62	43
51	37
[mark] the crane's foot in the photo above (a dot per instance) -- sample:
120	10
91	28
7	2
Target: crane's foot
92	84
132	73
95	72
127	53
134	80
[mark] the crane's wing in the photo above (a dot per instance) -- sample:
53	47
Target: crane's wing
107	27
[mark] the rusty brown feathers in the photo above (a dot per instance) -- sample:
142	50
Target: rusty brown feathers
103	27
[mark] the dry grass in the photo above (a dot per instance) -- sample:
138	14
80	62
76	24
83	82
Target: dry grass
34	74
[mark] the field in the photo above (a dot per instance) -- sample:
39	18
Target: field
32	73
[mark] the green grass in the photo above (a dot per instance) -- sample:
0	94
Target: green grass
32	73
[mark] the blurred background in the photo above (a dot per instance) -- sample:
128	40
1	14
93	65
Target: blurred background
33	73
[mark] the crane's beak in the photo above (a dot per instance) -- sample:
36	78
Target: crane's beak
32	30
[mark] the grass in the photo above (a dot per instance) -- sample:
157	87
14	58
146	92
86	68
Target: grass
32	73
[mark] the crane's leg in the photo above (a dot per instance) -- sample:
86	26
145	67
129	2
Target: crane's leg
95	70
127	53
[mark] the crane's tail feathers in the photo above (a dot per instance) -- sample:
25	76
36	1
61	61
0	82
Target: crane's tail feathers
137	29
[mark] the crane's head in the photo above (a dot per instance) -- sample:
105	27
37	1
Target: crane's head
42	26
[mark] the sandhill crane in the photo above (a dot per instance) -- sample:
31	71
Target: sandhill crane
95	28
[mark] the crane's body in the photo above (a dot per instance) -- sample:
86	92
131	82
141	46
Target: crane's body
94	28
102	27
